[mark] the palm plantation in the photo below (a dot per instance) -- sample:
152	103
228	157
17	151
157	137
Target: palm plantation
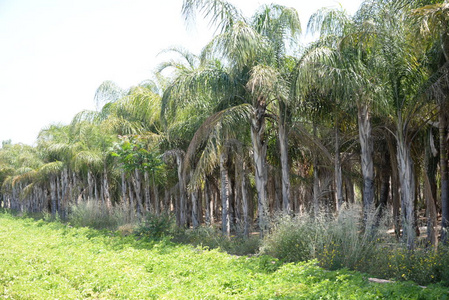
258	125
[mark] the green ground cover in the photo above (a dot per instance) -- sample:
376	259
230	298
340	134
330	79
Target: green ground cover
40	260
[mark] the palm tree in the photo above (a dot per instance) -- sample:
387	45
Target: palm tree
20	189
123	112
250	73
184	107
339	66
433	20
279	24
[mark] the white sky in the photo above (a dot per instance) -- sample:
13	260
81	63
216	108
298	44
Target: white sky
55	53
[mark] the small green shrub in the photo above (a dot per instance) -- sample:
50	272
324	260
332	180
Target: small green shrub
155	227
423	265
244	245
293	239
212	238
347	243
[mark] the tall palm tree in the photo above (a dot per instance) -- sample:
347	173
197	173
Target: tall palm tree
338	65
433	22
251	60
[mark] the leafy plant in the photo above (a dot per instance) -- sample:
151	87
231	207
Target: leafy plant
133	153
155	227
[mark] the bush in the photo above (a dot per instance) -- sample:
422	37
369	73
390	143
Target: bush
95	215
336	242
348	243
293	239
212	238
423	265
155	227
340	242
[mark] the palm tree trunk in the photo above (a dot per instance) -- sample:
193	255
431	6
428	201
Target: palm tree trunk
147	192
58	195
276	191
90	185
366	145
131	200
64	192
316	181
182	189
338	172
429	194
96	189
69	187
245	203
443	135
395	186
194	200
225	218
407	182
124	190
103	201
260	154
385	174
167	207
207	202
53	195
238	189
157	206
107	195
430	189
283	141
137	182
76	188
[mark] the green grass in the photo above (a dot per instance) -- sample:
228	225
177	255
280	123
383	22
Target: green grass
40	260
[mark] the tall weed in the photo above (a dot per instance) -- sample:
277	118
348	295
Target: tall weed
212	238
346	241
336	241
95	215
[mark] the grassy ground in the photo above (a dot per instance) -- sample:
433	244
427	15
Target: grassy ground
41	260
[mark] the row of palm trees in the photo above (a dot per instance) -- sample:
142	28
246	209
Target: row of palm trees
258	124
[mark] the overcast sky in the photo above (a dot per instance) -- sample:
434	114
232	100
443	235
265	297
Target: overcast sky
55	53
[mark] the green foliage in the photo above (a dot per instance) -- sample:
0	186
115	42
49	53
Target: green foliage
213	238
340	243
133	153
93	214
293	239
425	266
335	241
155	227
43	260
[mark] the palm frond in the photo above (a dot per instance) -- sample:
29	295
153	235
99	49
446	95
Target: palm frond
27	190
51	168
241	46
223	120
329	21
108	91
280	24
221	14
266	81
189	60
207	162
26	175
91	160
